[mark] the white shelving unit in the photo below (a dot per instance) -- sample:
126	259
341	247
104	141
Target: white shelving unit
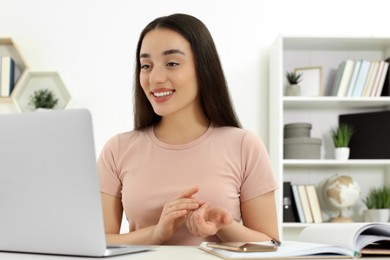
288	53
27	81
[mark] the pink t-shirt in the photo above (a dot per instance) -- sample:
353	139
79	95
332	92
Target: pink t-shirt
229	165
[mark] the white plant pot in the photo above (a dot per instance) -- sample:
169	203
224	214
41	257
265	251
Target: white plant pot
293	90
341	153
376	215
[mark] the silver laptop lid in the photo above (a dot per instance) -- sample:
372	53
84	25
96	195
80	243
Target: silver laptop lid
49	191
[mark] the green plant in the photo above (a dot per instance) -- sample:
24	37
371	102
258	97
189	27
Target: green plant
378	198
342	135
43	98
293	78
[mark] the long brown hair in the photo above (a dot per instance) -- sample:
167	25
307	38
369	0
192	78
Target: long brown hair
213	91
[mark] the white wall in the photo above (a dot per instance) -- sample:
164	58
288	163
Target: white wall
91	43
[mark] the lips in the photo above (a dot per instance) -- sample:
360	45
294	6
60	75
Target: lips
162	95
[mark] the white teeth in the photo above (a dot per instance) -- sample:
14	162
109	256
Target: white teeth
163	94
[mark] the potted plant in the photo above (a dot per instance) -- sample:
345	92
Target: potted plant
341	137
378	205
43	98
293	88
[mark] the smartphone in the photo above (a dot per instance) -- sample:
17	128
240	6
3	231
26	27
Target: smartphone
243	247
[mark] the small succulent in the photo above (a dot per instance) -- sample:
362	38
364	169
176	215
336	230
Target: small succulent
293	78
342	135
43	98
378	198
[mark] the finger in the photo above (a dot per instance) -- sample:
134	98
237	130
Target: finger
218	214
199	222
189	193
177	204
228	219
175	214
188	221
210	220
203	209
191	225
203	228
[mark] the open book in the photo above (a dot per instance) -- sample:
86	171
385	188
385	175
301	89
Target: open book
335	240
358	238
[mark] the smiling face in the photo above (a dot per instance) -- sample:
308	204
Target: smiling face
167	74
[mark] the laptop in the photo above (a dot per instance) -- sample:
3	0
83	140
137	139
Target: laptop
49	187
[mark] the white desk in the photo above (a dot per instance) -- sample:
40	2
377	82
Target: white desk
160	253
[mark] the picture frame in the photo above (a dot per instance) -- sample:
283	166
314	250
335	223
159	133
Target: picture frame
311	84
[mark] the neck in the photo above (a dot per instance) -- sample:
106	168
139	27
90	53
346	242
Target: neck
181	129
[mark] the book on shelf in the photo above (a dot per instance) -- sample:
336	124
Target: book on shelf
297	203
336	240
289	208
352	81
306	206
305	203
347	70
370	79
339	74
361	78
314	203
386	85
7	76
375	84
381	82
376	79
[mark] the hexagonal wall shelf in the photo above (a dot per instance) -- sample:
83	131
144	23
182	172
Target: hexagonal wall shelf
36	80
8	106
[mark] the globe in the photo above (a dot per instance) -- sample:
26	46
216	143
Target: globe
341	192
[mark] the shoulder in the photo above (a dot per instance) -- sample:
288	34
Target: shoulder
243	135
126	139
247	141
229	131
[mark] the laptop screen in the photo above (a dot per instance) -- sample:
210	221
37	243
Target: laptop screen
49	190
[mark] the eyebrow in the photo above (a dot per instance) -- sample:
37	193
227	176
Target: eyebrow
173	51
165	53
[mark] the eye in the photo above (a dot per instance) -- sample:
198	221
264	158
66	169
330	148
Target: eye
145	66
172	64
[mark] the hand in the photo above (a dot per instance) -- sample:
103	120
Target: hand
175	213
206	221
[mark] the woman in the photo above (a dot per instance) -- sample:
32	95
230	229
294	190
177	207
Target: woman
187	173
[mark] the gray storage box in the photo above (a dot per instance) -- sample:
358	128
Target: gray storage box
297	130
302	148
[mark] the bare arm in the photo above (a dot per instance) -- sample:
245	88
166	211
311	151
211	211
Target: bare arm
172	217
259	221
112	211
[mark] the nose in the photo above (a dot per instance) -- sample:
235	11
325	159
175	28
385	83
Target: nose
157	75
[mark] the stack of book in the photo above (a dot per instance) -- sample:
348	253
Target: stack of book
362	78
300	203
7	76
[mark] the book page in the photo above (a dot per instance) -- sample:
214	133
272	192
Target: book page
365	240
344	235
